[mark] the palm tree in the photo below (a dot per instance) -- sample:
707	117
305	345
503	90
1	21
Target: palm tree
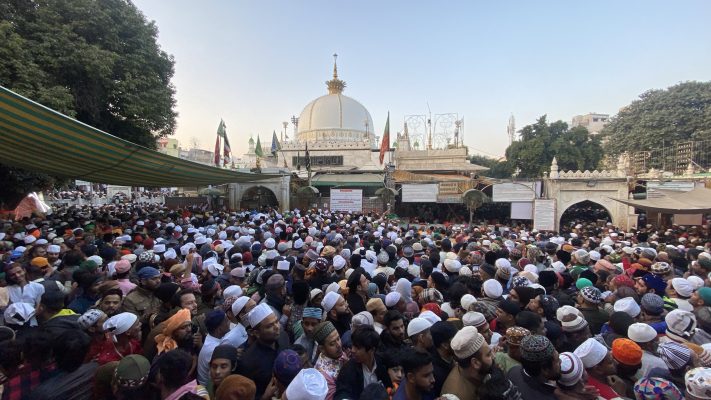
474	199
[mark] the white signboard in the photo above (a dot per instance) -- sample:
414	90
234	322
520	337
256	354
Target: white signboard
350	200
544	215
113	190
514	192
688	219
522	210
426	193
82	183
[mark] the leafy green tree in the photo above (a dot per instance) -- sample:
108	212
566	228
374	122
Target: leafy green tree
540	142
95	60
497	168
661	117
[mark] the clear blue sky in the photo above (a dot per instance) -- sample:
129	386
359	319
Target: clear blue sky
257	63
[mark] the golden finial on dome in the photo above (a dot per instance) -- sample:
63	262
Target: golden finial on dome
335	85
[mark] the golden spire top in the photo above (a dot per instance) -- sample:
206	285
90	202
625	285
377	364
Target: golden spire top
335	85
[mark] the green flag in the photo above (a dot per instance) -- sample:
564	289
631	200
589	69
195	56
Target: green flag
258	150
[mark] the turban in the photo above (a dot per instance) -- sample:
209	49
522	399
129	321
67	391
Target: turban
626	352
675	355
165	341
120	323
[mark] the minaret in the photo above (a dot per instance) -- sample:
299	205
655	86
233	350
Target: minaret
403	142
511	129
335	85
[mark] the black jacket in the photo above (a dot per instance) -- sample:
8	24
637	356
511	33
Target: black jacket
349	384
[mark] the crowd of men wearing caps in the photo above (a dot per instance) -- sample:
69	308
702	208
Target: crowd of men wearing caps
121	302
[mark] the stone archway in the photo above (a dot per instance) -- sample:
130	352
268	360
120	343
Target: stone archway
584	211
257	197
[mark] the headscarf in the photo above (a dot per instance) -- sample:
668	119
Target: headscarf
404	287
165	341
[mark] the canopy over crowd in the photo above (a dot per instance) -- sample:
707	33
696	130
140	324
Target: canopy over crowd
130	302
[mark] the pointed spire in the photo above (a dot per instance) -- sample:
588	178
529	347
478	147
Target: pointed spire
335	66
335	85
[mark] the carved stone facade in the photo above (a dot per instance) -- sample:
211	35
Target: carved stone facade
278	186
571	187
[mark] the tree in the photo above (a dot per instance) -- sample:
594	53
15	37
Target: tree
95	60
575	148
661	117
497	168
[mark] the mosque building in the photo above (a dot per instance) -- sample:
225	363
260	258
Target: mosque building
344	153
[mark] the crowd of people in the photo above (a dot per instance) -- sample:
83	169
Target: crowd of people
130	302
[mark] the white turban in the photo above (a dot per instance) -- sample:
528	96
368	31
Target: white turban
120	323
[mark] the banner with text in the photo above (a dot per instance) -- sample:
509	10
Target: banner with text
544	215
350	200
426	193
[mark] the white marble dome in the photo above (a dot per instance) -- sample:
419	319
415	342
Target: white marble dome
335	117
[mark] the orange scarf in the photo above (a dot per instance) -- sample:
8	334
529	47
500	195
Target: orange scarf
165	341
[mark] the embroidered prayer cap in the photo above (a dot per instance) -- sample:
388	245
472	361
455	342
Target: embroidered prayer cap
698	382
259	314
591	294
132	372
322	331
651	388
652	304
473	318
536	348
466	342
89	318
286	366
515	335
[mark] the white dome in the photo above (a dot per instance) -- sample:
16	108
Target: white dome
335	117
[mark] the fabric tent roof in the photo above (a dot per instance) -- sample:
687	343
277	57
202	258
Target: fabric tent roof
37	138
371	180
695	201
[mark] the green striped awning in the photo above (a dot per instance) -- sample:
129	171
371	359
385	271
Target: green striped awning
37	138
